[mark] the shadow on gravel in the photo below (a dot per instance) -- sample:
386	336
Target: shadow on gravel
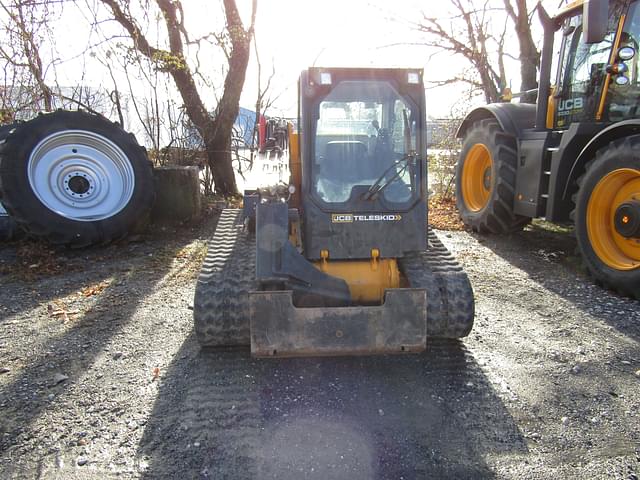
549	259
63	271
71	354
224	415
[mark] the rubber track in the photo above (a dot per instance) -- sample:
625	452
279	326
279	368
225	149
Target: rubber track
450	303
221	303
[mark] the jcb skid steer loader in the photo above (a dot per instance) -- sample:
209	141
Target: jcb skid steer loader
341	261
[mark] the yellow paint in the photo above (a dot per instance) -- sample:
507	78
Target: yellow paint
570	7
294	233
614	189
295	165
367	279
477	164
551	107
612	59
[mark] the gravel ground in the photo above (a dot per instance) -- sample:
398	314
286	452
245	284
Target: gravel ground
100	376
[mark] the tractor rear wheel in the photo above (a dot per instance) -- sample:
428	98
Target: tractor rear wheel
486	178
607	216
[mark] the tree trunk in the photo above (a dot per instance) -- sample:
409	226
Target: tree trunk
222	170
529	55
227	110
216	130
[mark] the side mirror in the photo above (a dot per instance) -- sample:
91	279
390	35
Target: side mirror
626	53
595	20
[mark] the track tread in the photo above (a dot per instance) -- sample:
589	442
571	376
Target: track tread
450	302
221	303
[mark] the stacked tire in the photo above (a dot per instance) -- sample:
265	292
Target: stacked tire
8	227
74	178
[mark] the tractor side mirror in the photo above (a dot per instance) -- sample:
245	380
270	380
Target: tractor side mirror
596	17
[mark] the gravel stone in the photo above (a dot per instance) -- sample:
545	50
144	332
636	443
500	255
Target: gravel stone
502	403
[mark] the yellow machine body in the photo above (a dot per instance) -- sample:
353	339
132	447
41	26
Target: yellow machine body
367	279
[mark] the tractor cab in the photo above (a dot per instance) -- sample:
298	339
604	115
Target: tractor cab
598	81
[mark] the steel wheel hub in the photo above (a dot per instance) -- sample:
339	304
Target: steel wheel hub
627	219
81	175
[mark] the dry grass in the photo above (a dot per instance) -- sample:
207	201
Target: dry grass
443	213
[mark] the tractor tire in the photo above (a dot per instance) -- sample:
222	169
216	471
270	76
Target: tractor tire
486	179
5	130
75	178
8	227
607	216
221	303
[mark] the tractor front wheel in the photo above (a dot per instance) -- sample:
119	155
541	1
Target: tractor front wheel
485	179
607	216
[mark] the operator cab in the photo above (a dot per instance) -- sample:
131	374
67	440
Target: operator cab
363	155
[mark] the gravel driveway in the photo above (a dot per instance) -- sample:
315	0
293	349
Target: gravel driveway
100	376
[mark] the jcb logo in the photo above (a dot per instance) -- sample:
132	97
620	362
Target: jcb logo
341	218
570	104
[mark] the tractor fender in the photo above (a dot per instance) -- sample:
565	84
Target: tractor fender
607	135
512	117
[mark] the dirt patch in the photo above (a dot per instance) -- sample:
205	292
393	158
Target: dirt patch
443	213
100	377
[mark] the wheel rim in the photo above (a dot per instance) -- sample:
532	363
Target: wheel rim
476	177
613	190
81	175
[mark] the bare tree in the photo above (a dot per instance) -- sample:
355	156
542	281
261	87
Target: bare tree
23	28
479	33
214	127
529	54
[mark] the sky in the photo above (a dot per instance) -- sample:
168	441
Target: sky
294	35
291	35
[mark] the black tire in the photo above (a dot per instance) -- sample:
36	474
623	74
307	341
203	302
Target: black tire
496	216
622	154
28	205
221	303
8	226
5	130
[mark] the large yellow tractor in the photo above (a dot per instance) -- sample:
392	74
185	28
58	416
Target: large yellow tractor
576	154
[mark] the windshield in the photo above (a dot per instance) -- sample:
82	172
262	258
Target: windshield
365	136
623	100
